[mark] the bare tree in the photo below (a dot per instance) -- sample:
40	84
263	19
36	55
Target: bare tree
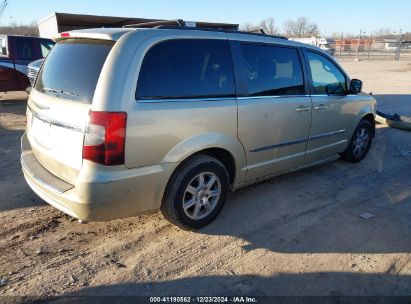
383	32
20	29
248	27
301	27
268	26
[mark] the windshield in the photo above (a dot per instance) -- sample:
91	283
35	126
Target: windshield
72	69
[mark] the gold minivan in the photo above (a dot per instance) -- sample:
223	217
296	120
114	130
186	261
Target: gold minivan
128	121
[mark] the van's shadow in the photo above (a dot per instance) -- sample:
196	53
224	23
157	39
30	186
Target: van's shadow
330	285
318	210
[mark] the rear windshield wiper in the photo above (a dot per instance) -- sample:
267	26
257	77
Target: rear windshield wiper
59	91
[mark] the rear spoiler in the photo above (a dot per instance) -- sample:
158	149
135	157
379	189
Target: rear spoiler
99	33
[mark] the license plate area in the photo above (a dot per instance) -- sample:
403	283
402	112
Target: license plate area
42	131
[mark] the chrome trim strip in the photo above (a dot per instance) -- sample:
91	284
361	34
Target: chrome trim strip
287	143
294	142
56	123
216	98
185	99
273	161
271	96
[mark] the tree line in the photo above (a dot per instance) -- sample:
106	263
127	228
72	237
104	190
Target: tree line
298	28
304	28
30	29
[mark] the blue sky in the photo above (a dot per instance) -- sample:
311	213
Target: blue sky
331	16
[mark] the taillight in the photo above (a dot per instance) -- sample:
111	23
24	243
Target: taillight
105	137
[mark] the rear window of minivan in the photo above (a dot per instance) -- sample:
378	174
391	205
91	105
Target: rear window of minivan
72	69
187	68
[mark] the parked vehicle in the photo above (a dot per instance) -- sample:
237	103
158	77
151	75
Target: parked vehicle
33	69
321	42
129	121
16	53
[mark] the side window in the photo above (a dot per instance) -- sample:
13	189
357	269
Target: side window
272	70
3	47
24	49
326	77
186	68
45	47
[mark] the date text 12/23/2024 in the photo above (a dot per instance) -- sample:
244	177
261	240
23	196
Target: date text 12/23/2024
233	299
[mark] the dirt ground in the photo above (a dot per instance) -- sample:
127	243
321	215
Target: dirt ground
299	234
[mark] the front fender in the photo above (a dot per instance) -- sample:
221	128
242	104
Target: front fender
197	143
366	109
370	108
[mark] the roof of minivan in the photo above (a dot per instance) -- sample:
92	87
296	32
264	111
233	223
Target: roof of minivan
115	34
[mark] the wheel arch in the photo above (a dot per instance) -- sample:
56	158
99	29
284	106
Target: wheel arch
227	149
371	118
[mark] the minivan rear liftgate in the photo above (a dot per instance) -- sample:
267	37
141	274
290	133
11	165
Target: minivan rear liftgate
59	105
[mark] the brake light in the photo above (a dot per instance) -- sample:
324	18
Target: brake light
65	34
104	142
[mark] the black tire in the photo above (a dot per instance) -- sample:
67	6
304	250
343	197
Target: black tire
176	191
351	154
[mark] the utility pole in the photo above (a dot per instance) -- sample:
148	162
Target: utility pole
358	46
369	45
401	38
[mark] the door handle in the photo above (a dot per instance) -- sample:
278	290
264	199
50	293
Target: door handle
320	107
302	109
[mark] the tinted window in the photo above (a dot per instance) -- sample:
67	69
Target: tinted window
45	47
24	49
326	77
187	69
272	70
72	69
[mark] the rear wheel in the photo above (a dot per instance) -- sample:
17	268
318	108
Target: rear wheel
196	192
360	142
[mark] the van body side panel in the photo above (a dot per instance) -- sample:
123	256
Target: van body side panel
171	132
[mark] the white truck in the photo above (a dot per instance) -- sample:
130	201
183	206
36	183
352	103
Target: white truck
322	43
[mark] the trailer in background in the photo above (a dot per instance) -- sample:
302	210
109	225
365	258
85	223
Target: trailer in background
322	43
62	22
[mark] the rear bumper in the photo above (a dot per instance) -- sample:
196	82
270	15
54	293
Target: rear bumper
100	193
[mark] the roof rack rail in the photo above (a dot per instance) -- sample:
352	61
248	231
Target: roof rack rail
263	34
154	24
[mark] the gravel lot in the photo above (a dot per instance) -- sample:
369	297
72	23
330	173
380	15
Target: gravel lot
299	234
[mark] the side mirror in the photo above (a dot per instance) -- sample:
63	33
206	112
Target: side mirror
355	86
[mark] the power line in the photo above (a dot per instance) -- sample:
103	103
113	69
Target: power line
3	7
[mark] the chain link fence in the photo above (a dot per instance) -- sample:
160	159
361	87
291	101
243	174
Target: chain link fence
371	49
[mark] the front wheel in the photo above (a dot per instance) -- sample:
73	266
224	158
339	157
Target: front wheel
196	192
360	142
